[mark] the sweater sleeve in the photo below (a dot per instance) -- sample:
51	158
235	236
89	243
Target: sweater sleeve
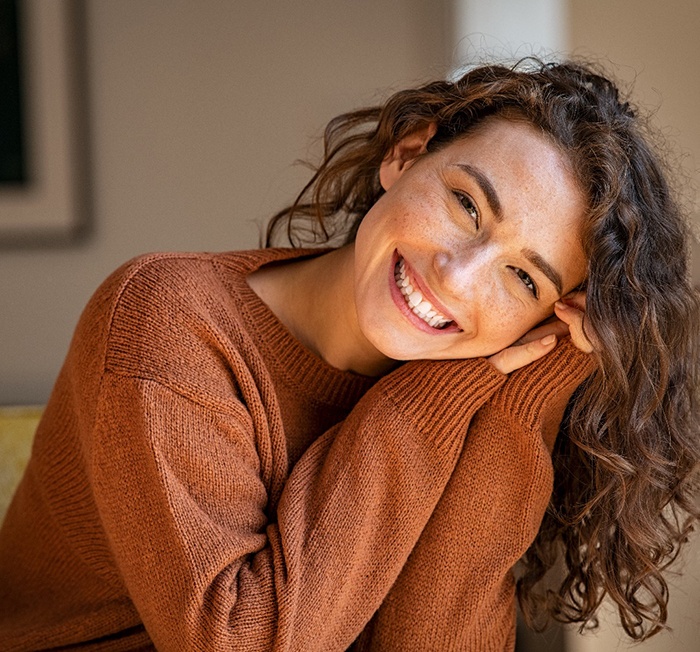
178	486
456	591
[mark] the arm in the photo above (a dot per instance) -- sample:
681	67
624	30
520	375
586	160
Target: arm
456	590
178	487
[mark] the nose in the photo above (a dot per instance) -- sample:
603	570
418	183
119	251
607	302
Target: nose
464	274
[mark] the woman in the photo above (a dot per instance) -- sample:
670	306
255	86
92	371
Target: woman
316	450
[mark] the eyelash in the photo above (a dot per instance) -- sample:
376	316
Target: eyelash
469	207
527	281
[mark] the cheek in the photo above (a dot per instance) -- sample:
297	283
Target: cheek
417	211
504	323
505	319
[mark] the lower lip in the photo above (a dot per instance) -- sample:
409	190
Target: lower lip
401	304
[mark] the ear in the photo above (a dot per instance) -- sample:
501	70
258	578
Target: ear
404	153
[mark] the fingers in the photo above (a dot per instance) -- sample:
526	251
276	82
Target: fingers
554	327
573	318
517	356
576	299
568	319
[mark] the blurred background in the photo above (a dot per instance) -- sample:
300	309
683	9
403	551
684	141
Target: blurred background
180	121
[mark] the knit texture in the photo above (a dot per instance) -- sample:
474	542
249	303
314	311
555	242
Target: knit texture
201	481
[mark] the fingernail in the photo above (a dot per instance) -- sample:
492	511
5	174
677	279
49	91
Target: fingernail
548	339
561	305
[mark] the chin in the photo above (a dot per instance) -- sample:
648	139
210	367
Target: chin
401	350
388	348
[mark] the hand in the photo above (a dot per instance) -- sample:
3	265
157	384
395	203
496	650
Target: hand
571	310
568	319
530	347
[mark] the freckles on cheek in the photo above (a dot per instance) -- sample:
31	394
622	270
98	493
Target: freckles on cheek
510	324
404	222
415	214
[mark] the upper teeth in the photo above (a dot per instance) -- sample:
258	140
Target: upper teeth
414	298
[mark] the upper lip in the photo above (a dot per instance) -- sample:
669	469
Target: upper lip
419	284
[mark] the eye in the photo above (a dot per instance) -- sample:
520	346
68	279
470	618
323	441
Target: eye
527	280
469	206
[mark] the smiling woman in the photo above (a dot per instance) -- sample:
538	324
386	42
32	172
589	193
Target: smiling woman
554	178
485	257
352	448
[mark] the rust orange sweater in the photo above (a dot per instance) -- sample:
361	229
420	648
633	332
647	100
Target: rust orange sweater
200	481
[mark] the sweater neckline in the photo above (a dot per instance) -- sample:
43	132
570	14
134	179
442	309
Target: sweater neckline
309	373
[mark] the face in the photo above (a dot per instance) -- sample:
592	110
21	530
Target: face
470	246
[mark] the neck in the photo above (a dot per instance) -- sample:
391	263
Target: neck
314	298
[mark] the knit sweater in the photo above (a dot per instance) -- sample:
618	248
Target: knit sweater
201	481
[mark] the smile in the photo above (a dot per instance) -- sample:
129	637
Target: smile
415	300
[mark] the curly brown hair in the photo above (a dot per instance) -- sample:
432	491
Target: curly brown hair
627	454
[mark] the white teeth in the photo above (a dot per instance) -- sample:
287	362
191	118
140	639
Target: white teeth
414	298
424	307
419	306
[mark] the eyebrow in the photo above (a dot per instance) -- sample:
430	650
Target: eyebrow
486	187
544	267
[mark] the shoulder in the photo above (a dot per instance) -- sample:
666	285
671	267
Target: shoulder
181	319
150	292
157	284
168	317
165	296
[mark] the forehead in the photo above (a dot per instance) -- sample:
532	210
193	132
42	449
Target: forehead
522	163
508	144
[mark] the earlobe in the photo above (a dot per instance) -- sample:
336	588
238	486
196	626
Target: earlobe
404	153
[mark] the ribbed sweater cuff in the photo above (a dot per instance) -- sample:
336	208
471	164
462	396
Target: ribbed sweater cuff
442	395
532	390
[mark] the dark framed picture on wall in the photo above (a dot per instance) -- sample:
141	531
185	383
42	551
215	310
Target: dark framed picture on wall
44	173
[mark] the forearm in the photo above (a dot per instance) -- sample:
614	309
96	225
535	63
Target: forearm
205	569
457	585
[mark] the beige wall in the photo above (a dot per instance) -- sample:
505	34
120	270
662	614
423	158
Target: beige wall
655	45
198	110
